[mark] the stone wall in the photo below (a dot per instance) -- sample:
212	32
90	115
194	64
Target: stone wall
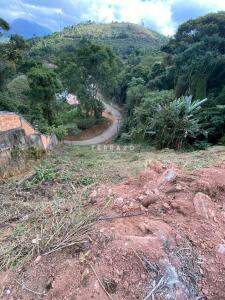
10	121
9	140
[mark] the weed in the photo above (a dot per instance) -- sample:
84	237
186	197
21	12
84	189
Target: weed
85	181
18	230
43	173
35	153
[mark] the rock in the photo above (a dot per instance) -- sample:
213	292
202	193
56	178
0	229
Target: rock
7	292
97	287
168	176
94	194
174	189
150	199
183	206
143	276
120	272
221	249
166	206
119	202
144	228
93	197
38	259
133	206
204	206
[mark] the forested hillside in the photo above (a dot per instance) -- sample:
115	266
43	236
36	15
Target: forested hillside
179	102
172	97
122	38
29	87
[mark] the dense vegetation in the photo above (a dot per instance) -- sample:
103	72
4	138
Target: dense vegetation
32	88
122	38
165	103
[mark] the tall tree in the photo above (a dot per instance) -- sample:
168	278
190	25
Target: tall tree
43	88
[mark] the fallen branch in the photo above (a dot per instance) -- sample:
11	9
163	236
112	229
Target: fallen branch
154	289
24	287
109	218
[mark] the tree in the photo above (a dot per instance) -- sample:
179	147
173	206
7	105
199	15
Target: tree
89	71
43	88
3	25
11	54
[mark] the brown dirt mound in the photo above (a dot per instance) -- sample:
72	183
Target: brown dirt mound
162	236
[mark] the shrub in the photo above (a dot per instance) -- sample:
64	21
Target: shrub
222	141
176	124
85	123
19	85
60	131
143	115
172	124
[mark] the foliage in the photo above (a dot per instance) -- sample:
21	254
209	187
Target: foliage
43	88
122	38
85	123
11	54
61	131
18	86
8	102
193	63
172	124
4	25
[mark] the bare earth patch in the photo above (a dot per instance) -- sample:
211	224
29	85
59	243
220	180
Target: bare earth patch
158	231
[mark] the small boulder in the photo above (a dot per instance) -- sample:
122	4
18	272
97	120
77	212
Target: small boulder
119	202
204	206
150	199
93	197
168	176
183	206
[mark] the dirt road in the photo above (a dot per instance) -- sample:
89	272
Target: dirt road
106	135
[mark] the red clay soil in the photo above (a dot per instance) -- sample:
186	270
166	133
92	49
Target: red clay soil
174	248
94	130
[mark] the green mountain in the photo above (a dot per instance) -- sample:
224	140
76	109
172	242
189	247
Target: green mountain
123	38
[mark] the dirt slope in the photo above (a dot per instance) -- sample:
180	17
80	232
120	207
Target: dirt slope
161	237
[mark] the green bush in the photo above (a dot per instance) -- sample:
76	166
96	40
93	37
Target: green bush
60	131
176	124
222	141
169	124
19	85
144	114
85	123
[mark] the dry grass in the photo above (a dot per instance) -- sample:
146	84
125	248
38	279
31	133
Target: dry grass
44	230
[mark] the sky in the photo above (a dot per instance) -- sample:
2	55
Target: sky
163	16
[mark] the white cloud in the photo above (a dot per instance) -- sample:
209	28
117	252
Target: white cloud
161	15
156	12
214	5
